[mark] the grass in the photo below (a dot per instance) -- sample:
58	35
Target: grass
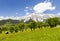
43	34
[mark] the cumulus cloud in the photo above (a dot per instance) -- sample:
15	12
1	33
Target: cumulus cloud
43	6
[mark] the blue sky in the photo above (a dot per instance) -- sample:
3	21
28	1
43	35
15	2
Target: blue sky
17	7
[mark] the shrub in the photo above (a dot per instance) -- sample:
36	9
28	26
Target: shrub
0	30
11	29
16	29
32	25
21	27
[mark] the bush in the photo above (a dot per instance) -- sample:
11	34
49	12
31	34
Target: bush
16	29
21	27
4	28
40	24
0	30
53	22
32	25
11	29
26	27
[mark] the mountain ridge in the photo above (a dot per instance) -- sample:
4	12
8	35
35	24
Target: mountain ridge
34	16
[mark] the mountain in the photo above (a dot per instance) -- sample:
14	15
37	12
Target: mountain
9	21
38	17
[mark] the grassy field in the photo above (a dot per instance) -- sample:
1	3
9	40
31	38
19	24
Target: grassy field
43	34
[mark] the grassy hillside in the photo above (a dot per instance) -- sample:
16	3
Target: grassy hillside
43	34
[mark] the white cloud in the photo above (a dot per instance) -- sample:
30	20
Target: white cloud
43	6
26	7
30	9
2	17
27	13
39	8
26	10
58	14
16	13
9	17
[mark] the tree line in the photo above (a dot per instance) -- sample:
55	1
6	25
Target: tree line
32	25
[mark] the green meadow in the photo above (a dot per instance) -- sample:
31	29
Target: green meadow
42	34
